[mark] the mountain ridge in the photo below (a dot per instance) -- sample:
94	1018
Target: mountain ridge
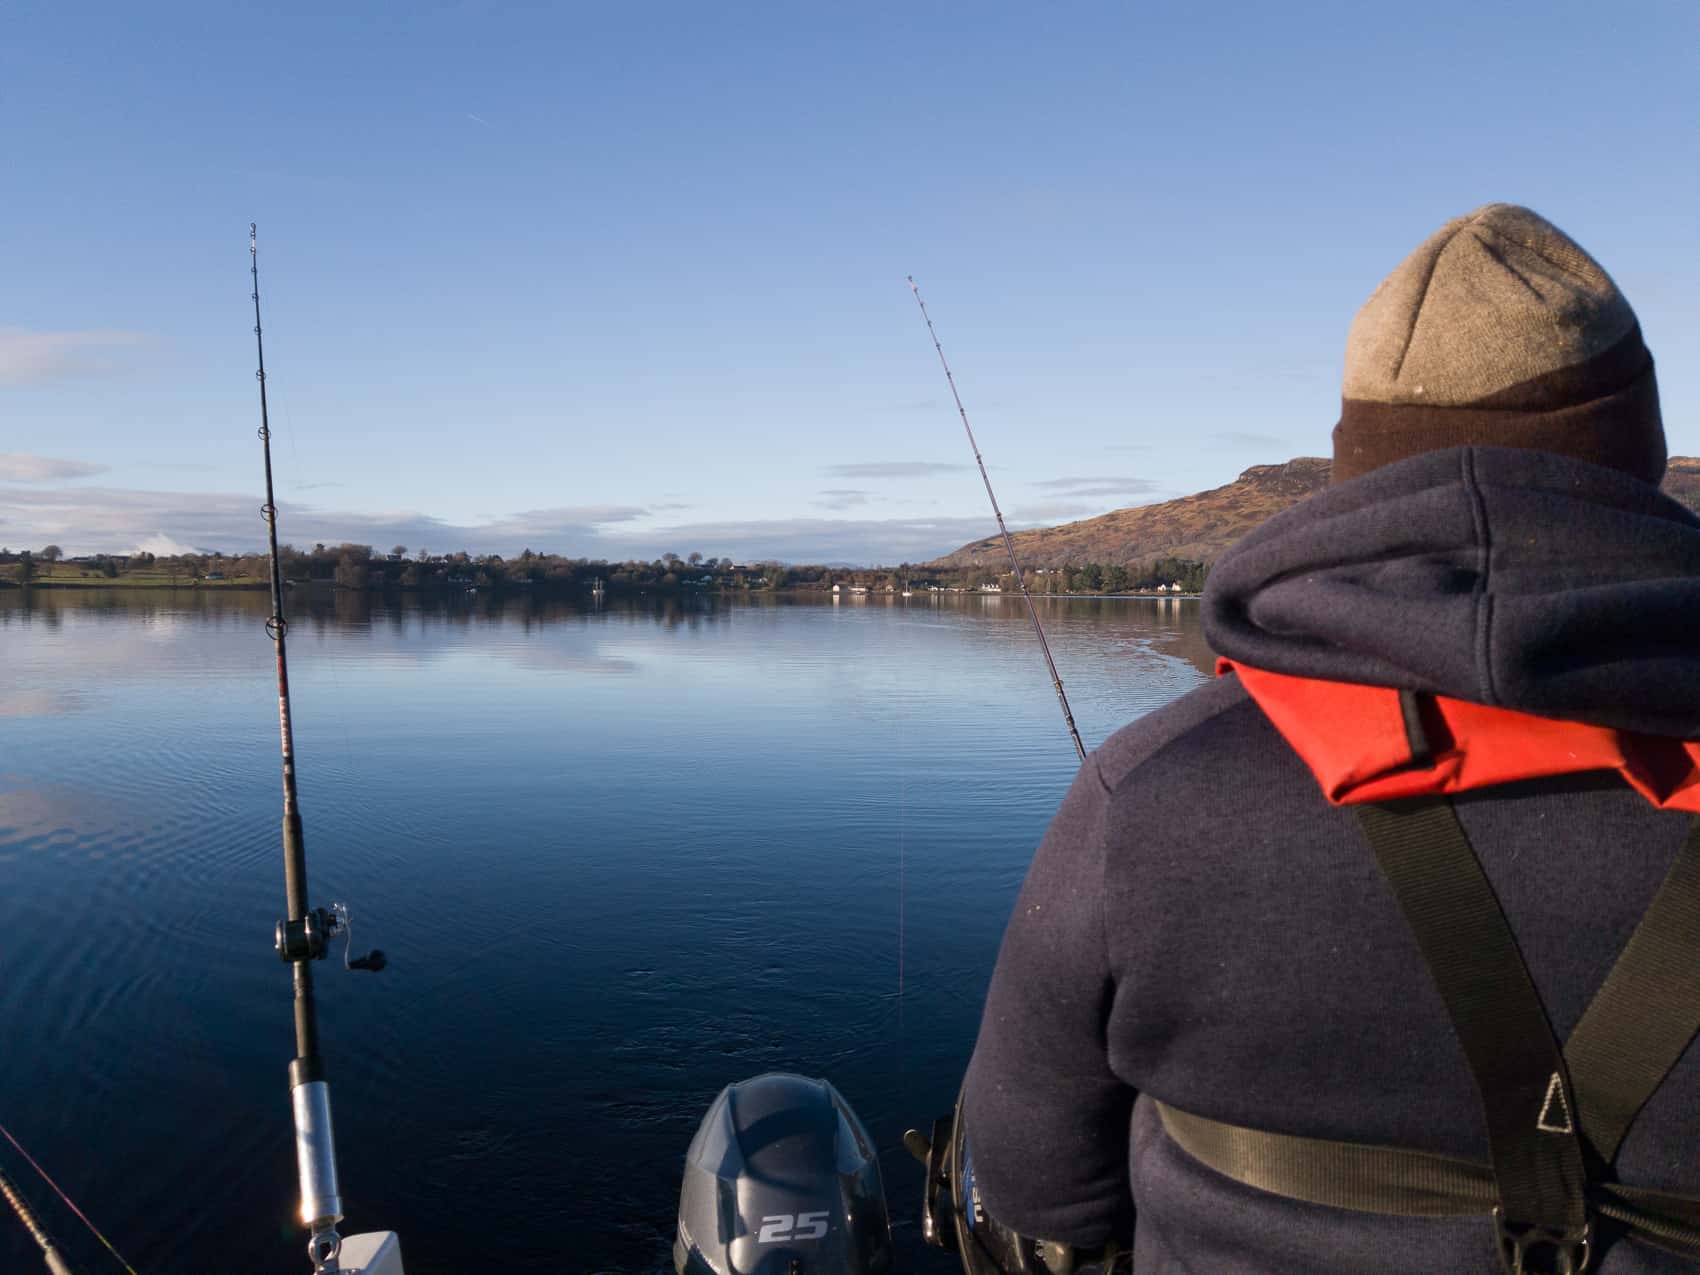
1202	526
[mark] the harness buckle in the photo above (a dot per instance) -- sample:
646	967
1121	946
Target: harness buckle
1532	1249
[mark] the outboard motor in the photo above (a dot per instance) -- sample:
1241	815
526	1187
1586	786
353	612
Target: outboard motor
782	1179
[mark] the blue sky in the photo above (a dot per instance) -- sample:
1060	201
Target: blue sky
623	279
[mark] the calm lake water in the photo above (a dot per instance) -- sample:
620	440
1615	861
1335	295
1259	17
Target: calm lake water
617	858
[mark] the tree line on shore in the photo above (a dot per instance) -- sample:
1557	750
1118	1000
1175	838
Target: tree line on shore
358	566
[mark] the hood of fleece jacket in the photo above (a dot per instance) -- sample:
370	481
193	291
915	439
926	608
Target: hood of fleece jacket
1514	578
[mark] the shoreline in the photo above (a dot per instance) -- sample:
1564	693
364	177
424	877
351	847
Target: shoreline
221	586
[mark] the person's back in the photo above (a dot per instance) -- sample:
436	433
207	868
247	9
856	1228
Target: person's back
1208	928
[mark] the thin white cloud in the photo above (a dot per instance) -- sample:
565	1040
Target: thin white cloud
562	518
843	498
831	540
111	519
107	519
1099	485
893	469
21	467
160	545
35	358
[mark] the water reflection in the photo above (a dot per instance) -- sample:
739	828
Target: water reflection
1172	620
27	703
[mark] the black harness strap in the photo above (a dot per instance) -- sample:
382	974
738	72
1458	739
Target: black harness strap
1526	1097
1645	1014
1542	1105
1342	1175
1402	1182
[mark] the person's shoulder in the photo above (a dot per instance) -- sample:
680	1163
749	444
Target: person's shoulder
1177	723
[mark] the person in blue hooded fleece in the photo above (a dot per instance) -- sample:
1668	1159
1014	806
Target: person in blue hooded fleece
1381	952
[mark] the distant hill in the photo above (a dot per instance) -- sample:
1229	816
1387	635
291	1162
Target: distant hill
1682	480
1197	527
1200	527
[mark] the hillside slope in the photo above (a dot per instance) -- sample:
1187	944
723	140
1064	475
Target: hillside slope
1198	527
1682	480
1201	526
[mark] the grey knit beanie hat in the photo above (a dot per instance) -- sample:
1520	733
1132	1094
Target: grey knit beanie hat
1499	330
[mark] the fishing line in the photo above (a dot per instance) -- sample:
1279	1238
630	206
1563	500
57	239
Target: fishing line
83	1217
1008	541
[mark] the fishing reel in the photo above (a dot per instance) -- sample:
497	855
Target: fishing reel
954	1218
309	938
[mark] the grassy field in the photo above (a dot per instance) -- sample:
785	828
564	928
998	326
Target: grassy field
78	575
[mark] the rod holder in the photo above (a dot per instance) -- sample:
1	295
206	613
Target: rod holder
315	1155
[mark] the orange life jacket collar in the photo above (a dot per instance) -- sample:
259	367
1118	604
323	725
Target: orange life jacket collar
1356	742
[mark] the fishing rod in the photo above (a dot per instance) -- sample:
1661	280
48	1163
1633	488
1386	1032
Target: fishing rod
56	1263
305	934
1008	540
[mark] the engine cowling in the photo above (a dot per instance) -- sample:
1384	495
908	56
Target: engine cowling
782	1179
